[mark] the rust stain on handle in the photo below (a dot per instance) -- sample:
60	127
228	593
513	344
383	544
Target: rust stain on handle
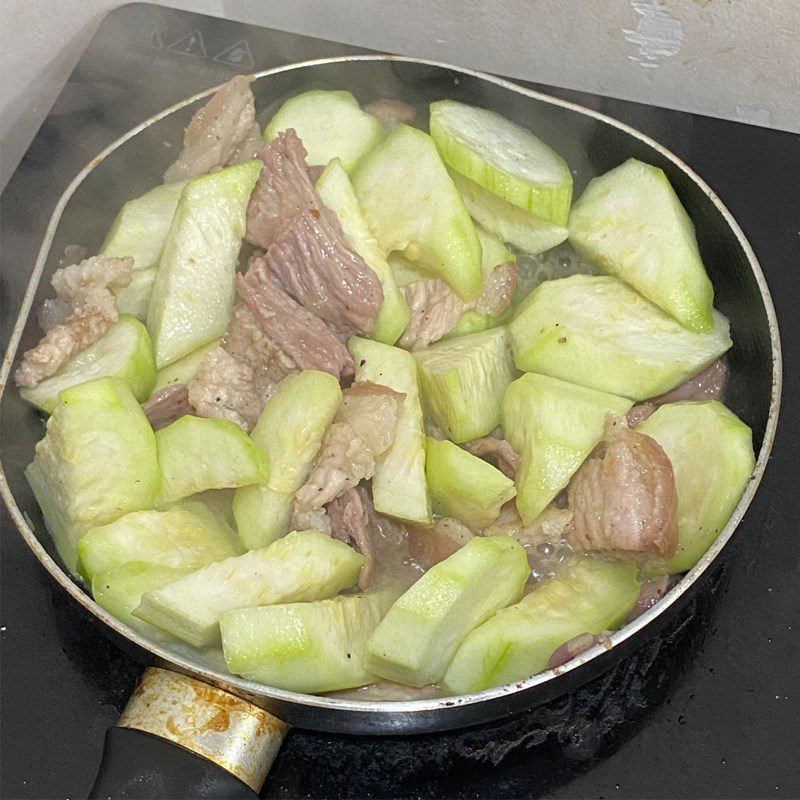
238	736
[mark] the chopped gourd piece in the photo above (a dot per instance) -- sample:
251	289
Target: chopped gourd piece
120	591
196	454
508	222
336	192
96	462
631	223
411	205
493	251
471	322
598	332
193	291
554	426
398	484
711	451
185	536
184	369
305	647
589	596
405	271
125	351
290	432
301	567
331	124
419	635
141	227
463	381
463	486
134	299
503	158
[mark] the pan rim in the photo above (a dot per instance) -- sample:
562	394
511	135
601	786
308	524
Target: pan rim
446	704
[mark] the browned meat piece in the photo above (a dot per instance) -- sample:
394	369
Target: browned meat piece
706	385
429	546
496	451
311	261
391	112
315	172
350	524
435	310
222	132
363	428
651	592
87	290
498	289
316	519
624	501
283	190
301	336
167	405
574	647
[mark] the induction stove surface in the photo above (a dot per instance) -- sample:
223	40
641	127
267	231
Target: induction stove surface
709	708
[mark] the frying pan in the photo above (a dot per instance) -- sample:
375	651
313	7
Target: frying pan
190	728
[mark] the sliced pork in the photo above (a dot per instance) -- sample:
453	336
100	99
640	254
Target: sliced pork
350	524
167	405
435	310
624	501
498	288
223	132
706	385
497	452
83	310
312	262
283	190
391	112
363	429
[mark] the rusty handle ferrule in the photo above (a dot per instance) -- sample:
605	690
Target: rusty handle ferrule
233	733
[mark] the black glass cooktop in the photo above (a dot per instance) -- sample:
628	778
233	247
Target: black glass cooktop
711	708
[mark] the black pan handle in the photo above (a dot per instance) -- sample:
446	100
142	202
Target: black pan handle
181	738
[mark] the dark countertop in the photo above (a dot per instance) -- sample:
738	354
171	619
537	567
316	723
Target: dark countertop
709	709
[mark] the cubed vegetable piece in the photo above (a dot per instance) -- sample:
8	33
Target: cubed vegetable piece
301	567
336	192
186	536
589	596
290	432
141	227
411	205
510	223
305	647
184	369
631	223
120	591
471	322
125	351
463	486
711	451
196	454
134	299
398	485
406	271
419	635
463	381
193	292
554	426
96	462
598	332
503	158
330	124
493	251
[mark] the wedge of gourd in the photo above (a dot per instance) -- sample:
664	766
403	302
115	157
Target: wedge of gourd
589	596
597	332
331	124
96	462
411	205
631	223
134	299
711	452
553	425
289	432
184	369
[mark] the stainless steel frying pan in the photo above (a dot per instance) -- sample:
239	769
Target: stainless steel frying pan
239	724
